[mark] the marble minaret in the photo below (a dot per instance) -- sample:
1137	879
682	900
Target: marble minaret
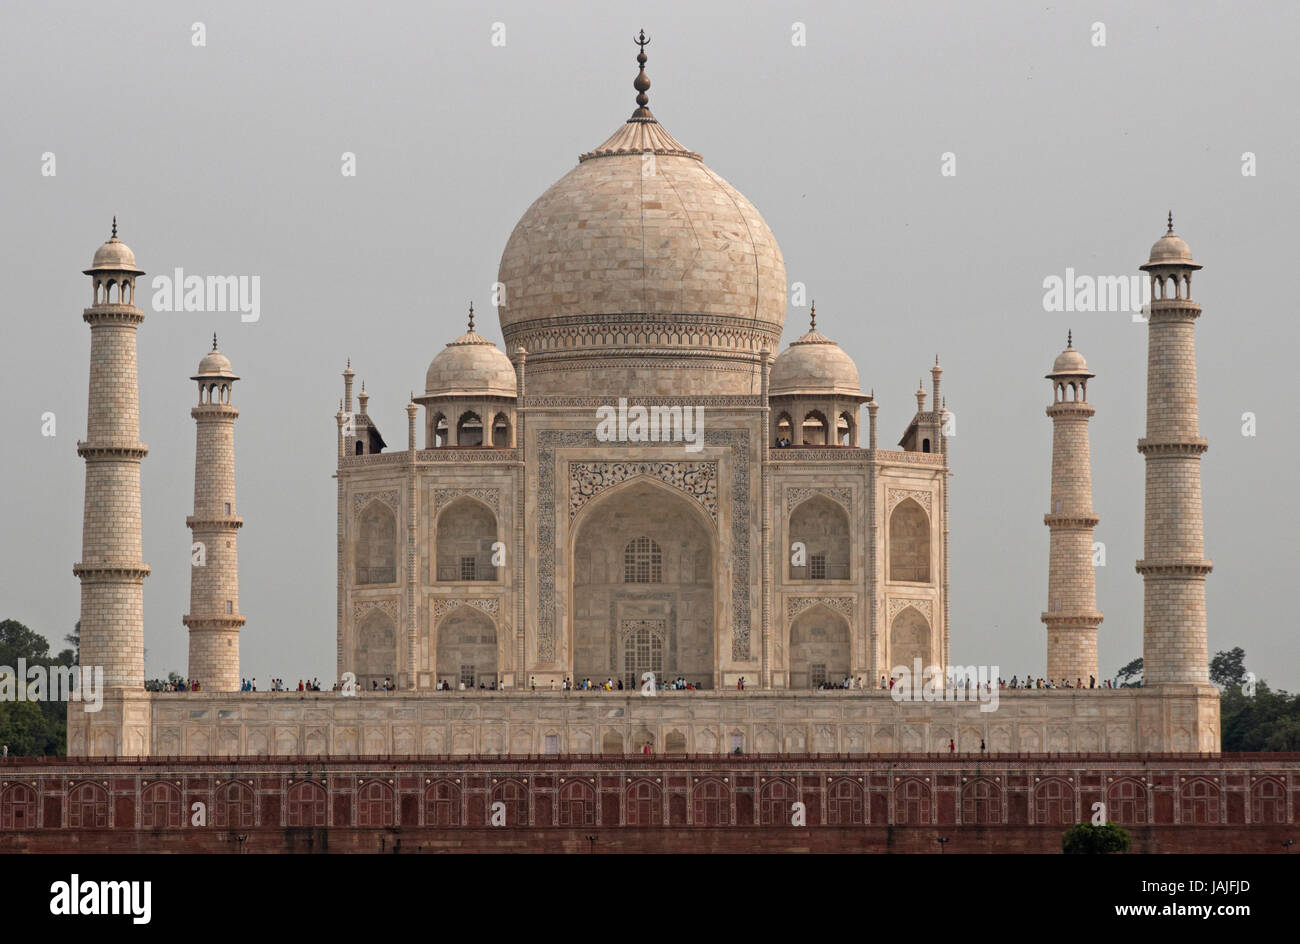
1071	615
214	619
1173	567
111	570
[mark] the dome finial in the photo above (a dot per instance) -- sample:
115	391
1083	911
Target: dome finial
642	81
471	316
115	227
812	326
1171	222
214	340
1069	338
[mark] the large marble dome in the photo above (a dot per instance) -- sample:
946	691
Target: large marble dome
642	271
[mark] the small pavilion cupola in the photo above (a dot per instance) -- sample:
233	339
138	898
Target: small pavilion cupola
1170	267
215	376
814	393
925	433
113	272
361	437
470	392
1070	375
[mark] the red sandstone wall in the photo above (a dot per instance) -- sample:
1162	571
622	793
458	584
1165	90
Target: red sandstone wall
1231	803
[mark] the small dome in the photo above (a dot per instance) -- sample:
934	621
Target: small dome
814	364
114	255
214	364
1170	249
470	366
1070	361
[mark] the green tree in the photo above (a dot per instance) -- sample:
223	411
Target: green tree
1131	675
1087	839
1228	668
31	728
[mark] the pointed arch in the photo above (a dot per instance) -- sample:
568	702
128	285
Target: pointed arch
909	543
307	804
680	608
376	651
821	526
466	531
816	429
466	648
232	806
18	807
909	640
160	806
376	545
819	646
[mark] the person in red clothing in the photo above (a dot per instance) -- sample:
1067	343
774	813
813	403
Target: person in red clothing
952	745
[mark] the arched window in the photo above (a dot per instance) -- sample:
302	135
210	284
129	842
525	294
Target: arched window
909	640
912	804
1200	802
18	807
644	804
515	796
1127	803
467	530
844	429
643	651
160	806
376	560
88	807
1268	802
466	648
469	430
501	431
442	804
822	527
981	803
577	804
815	429
711	802
909	543
439	427
375	804
376	648
784	431
819	648
775	803
232	807
643	561
845	805
1054	803
306	804
675	743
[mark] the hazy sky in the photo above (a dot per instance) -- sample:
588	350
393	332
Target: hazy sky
225	159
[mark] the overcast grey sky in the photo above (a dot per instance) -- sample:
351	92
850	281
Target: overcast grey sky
225	159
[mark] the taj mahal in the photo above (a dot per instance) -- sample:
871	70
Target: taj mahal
741	526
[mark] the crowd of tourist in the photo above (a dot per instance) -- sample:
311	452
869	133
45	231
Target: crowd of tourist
171	685
1015	682
848	683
